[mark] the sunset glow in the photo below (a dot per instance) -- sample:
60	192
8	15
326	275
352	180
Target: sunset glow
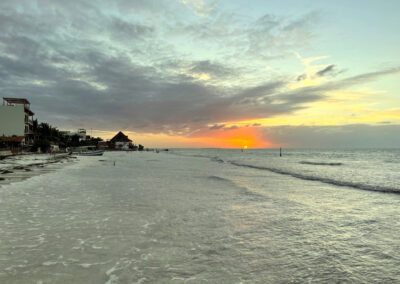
207	73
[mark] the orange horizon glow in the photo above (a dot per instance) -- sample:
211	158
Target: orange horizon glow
239	138
235	138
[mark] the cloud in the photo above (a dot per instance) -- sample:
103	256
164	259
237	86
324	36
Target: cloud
371	76
301	77
139	98
123	30
326	70
217	126
198	6
212	68
271	35
354	80
265	38
312	72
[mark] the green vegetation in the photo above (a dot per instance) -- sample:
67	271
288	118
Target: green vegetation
45	135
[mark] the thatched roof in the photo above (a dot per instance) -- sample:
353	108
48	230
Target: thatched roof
120	137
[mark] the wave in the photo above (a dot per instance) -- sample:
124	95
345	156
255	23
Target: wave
320	163
323	179
217	159
394	161
244	190
220	179
190	155
212	158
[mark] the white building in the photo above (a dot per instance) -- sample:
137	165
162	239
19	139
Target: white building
81	133
16	119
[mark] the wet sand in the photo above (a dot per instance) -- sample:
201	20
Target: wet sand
20	167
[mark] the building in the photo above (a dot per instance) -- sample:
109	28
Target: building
121	142
103	145
81	133
16	120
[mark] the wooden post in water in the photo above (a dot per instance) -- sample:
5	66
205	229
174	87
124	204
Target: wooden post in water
280	152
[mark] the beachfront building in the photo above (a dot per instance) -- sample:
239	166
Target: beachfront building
103	145
121	142
16	121
81	133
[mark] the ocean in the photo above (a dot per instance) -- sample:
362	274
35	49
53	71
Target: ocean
371	169
206	216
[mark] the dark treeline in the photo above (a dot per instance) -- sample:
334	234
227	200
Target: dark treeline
45	135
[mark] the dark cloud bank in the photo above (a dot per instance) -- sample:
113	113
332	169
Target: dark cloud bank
92	69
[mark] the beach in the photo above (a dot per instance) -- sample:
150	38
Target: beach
20	167
194	217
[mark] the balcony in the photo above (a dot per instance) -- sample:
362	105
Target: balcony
29	121
28	110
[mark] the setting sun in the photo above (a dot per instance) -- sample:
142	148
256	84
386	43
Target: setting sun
237	138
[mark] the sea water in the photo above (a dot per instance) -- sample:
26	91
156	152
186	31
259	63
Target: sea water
206	216
369	169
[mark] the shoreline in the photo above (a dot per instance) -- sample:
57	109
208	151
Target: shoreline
17	168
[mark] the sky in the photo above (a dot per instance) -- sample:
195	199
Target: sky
199	73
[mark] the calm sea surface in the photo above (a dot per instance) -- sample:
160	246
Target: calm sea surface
207	216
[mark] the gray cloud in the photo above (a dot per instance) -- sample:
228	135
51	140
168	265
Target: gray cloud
126	31
217	126
301	77
326	70
212	68
266	38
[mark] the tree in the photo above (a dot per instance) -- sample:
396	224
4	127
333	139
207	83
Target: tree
42	144
75	141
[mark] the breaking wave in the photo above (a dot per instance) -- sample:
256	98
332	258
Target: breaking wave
217	178
217	159
323	179
320	163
